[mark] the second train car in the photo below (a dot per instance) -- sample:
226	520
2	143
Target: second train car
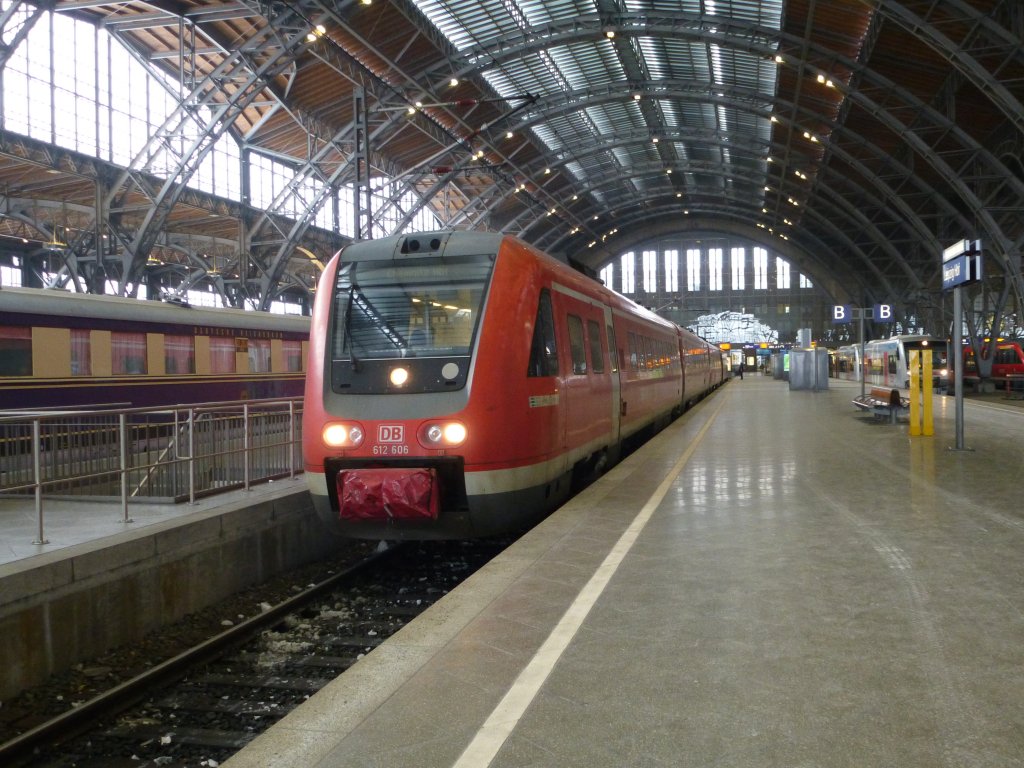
458	380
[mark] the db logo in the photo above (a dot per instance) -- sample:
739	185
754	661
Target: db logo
391	433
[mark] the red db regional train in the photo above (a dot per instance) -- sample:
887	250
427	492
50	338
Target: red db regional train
458	380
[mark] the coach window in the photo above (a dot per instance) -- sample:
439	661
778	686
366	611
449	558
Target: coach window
128	352
292	351
596	350
259	355
613	358
576	345
179	354
81	352
15	351
222	354
543	352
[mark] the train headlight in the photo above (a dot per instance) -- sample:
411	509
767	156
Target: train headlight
399	376
342	435
443	434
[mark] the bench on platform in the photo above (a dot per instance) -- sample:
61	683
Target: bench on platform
883	402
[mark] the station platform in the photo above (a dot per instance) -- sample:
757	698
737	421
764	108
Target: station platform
774	580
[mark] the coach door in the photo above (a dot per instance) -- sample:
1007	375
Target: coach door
588	381
613	367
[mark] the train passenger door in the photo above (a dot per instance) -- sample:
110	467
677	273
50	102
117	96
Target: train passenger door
587	383
613	367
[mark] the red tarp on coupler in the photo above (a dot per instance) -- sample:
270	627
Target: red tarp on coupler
381	494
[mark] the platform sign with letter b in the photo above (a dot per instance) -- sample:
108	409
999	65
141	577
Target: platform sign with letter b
842	313
883	313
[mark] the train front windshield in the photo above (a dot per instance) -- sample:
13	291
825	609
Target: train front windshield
423	307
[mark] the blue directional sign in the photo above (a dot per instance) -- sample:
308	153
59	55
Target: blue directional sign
842	313
961	270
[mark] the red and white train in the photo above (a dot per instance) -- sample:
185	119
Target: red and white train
457	381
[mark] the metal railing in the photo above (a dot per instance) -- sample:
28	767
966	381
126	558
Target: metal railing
172	454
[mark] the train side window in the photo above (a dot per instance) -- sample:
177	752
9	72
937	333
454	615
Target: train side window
81	352
128	353
596	350
612	346
543	351
634	360
259	355
15	351
222	355
179	354
577	346
292	351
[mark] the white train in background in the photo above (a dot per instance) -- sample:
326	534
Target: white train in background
885	360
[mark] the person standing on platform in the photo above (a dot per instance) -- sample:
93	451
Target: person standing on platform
740	371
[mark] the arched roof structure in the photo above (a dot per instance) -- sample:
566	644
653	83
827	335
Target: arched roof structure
857	137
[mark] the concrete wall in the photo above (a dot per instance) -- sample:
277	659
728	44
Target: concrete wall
68	606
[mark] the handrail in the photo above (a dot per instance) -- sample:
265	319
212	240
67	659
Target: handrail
121	453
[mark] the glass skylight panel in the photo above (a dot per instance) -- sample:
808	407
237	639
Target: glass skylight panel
676	59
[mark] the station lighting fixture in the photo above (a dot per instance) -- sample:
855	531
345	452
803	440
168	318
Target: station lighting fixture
609	33
509	134
318	31
655	139
800	174
779	60
636	97
453	82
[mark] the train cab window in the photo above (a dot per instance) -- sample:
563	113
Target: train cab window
179	354
612	346
222	354
596	350
15	351
419	307
1007	356
128	353
577	346
292	350
543	352
81	352
259	355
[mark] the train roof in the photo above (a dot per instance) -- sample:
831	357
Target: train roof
58	303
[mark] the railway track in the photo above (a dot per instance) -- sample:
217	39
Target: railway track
202	706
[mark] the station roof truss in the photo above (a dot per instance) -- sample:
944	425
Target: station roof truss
855	137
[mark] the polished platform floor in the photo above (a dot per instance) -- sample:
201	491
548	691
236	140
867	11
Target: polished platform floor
775	580
69	525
